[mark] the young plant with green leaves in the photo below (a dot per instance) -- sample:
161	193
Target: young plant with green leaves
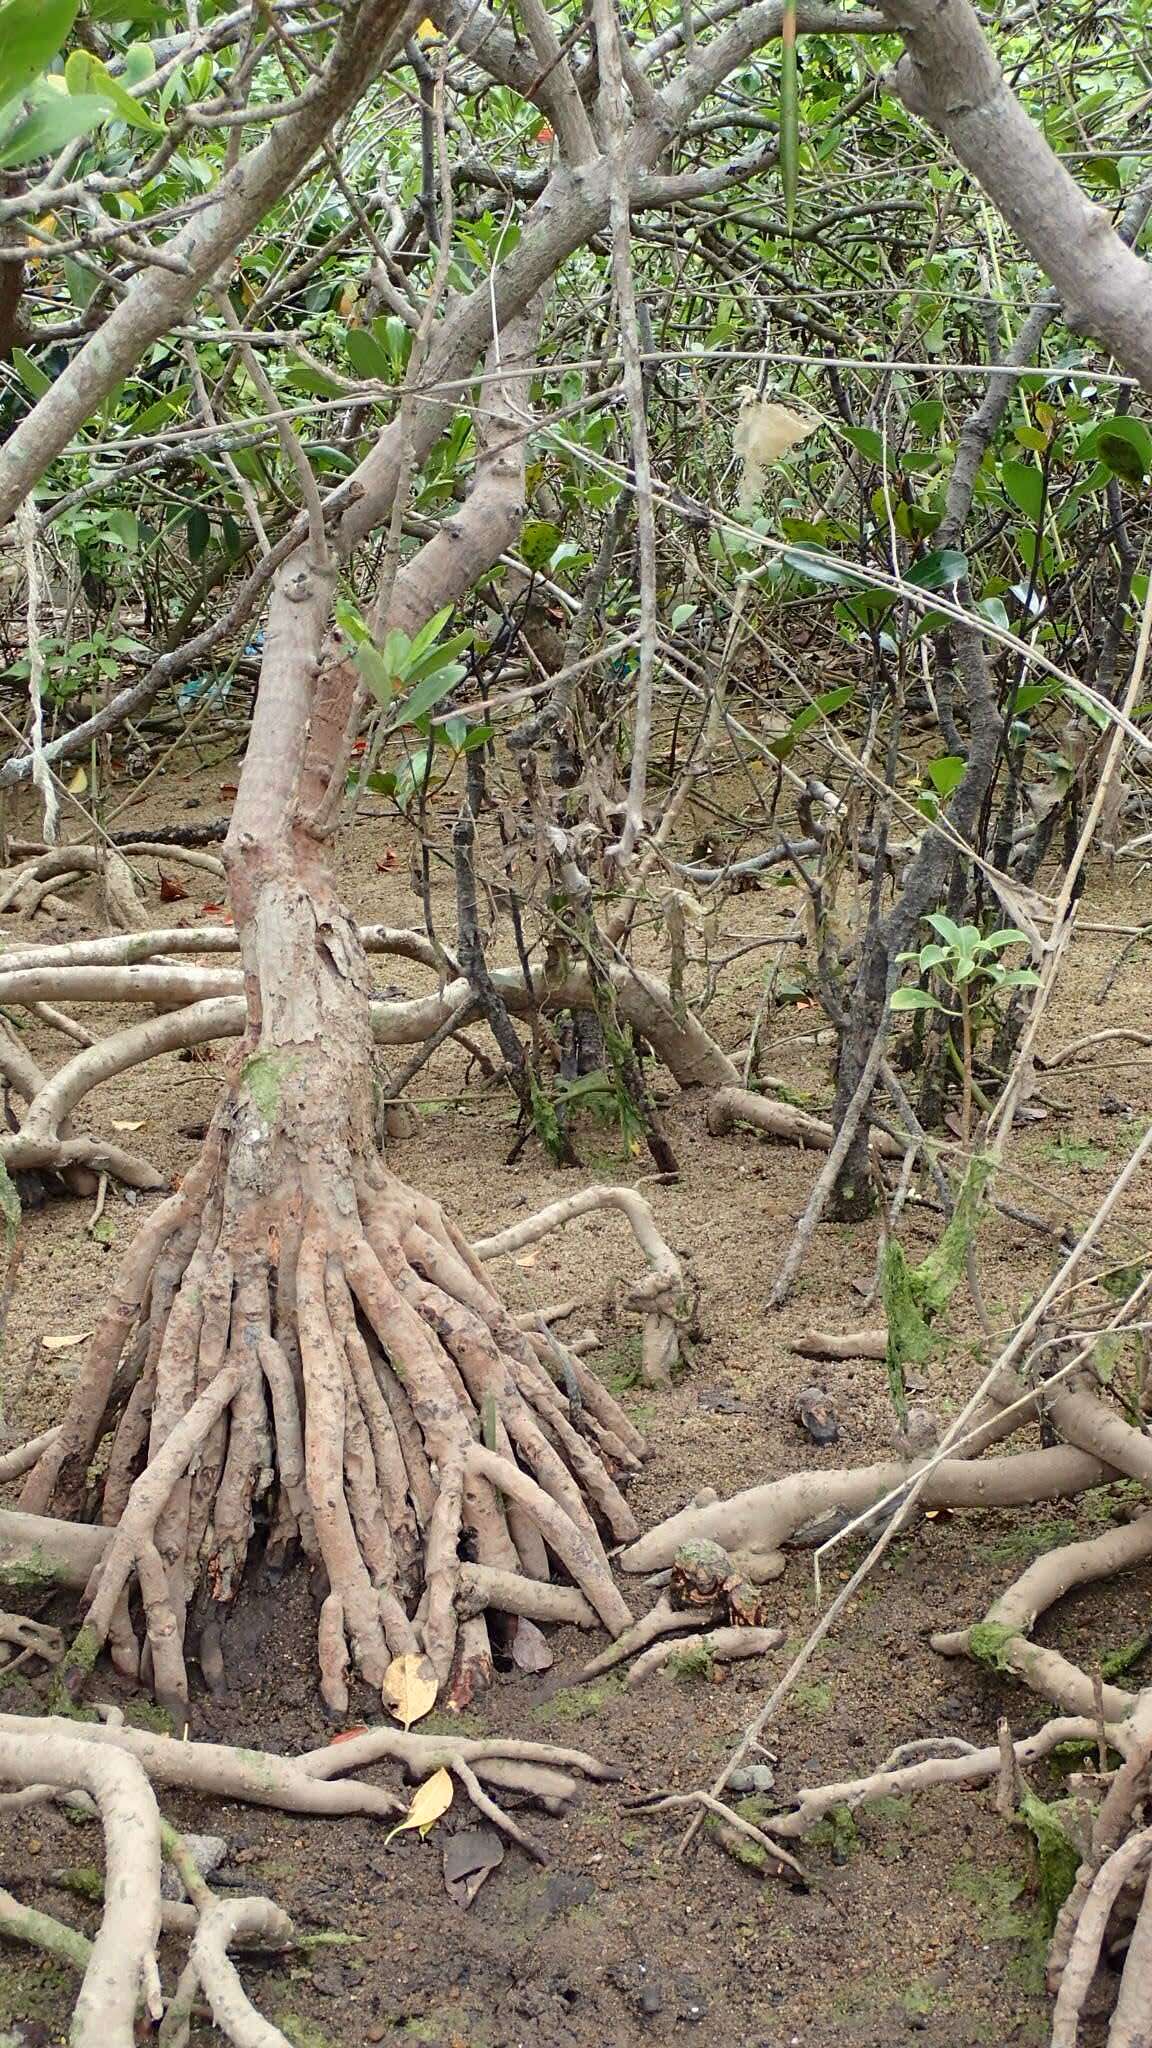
966	966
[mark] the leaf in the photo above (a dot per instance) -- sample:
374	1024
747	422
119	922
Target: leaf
428	693
31	375
84	73
530	1651
1024	484
78	782
427	31
913	999
539	542
366	356
820	567
376	672
866	441
137	1126
31	32
429	1801
948	929
940	570
67	1343
48	127
410	1688
470	1856
946	773
172	891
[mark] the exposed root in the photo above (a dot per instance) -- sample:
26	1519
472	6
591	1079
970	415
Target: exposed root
1084	1951
121	1969
700	1652
22	1457
660	1298
660	1620
852	1344
116	1764
732	1106
308	1355
1003	1634
755	1525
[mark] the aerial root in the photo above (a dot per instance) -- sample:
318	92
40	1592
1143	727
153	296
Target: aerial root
330	1370
118	1767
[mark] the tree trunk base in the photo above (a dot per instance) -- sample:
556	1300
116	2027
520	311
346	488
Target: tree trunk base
304	1354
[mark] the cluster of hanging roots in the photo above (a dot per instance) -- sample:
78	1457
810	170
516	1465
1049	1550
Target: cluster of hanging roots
316	1360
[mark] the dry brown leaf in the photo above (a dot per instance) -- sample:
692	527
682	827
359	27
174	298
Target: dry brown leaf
410	1688
530	1649
470	1856
67	1343
137	1126
763	433
429	1801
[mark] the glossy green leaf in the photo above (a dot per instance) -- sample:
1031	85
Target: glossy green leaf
30	373
31	33
366	356
84	73
1024	484
940	570
57	120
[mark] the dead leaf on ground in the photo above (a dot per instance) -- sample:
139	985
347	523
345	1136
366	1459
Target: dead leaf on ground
410	1688
137	1126
470	1857
530	1651
429	1801
67	1343
172	891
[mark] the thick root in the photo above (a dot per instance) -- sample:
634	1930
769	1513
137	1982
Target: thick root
314	1358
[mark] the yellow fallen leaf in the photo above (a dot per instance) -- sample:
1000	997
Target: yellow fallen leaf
138	1126
79	782
410	1688
68	1343
427	31
429	1801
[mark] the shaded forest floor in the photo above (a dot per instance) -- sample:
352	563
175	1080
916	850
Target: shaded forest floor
921	1923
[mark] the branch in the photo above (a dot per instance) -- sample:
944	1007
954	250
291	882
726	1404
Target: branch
951	78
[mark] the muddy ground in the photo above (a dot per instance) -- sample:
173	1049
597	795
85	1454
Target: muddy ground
919	1925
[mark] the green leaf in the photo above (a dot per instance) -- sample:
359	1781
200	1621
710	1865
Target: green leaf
789	112
995	940
938	571
946	773
539	542
948	929
821	568
1024	484
376	670
366	356
199	528
84	73
428	693
30	373
31	32
914	999
681	613
866	440
56	121
1124	445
